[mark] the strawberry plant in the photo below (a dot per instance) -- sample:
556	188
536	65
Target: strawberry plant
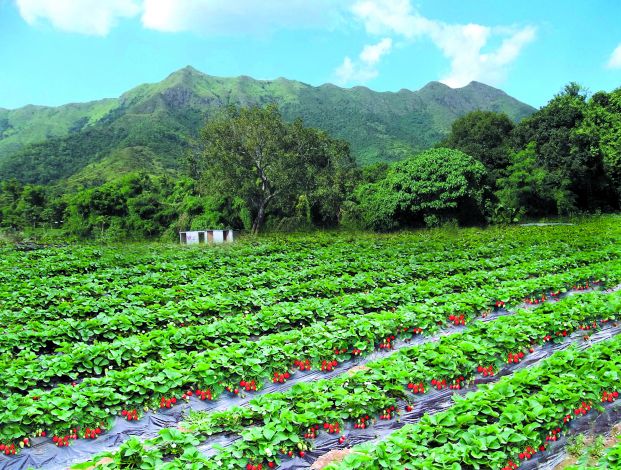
90	333
521	428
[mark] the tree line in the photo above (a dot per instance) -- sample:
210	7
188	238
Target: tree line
252	170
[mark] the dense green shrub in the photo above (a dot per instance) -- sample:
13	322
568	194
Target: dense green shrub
429	189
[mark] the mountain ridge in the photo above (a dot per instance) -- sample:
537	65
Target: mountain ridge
432	83
163	116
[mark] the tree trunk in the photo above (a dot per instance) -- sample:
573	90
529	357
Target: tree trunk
259	219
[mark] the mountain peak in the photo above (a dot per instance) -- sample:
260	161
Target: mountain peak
482	87
185	73
435	85
188	69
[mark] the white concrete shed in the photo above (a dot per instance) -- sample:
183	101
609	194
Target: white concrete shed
195	237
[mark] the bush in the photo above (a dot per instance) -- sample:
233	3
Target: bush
431	188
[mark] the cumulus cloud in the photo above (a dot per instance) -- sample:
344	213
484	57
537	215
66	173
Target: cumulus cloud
208	17
371	54
94	17
615	59
462	44
466	46
365	68
225	17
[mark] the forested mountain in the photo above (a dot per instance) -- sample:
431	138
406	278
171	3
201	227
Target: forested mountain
151	126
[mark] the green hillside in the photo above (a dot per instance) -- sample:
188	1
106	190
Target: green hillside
149	126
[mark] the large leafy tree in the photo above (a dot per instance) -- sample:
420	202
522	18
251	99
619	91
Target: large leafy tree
602	126
484	135
253	155
427	189
564	152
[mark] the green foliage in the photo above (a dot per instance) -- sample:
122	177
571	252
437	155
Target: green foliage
375	172
565	153
430	188
594	454
576	445
603	121
133	206
252	155
483	135
562	160
530	189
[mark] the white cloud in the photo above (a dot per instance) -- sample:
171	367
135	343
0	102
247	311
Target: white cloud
615	59
462	44
371	54
466	46
390	16
229	17
94	17
346	72
365	68
208	17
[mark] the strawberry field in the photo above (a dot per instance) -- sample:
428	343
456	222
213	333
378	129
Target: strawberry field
436	349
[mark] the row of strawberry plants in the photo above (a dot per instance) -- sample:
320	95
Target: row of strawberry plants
139	259
248	298
52	334
453	361
35	290
42	331
506	424
225	302
26	371
236	268
278	425
85	406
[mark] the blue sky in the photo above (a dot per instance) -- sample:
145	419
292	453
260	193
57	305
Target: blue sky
58	51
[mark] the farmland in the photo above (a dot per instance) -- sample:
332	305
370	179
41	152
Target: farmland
429	349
